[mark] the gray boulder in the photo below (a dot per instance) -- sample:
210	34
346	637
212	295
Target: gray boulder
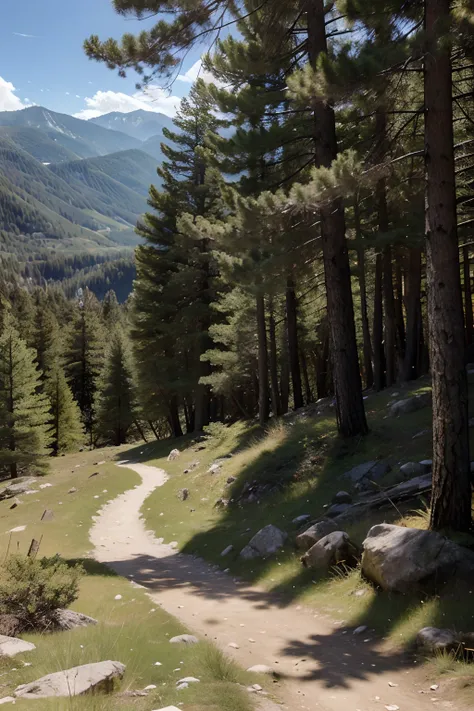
11	646
412	469
19	487
410	404
432	640
174	454
360	471
69	620
331	550
184	639
314	534
299	520
397	558
342	497
337	510
427	464
266	542
76	681
183	494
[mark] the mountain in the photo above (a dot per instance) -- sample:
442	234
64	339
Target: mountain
152	146
137	124
83	138
37	143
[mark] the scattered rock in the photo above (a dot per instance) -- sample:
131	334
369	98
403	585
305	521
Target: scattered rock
182	686
360	630
432	639
233	645
174	454
427	465
360	471
337	510
7	700
412	469
434	687
72	490
266	542
69	620
18	529
45	486
48	515
215	468
314	534
118	597
397	558
183	494
221	503
333	549
422	433
261	669
301	519
184	639
411	404
99	676
227	550
16	503
169	708
188	680
21	486
94	474
230	480
11	646
392	707
150	687
342	497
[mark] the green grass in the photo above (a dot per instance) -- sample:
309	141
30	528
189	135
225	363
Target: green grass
306	460
132	630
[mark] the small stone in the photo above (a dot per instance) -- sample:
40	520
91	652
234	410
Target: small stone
7	700
230	479
261	669
427	464
18	529
233	645
392	707
72	490
342	497
412	469
227	550
188	680
214	468
257	687
360	630
434	687
158	664
251	640
180	687
184	639
48	515
174	454
392	685
301	519
118	597
45	486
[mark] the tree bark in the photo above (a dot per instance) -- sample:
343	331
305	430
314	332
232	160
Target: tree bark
263	399
399	320
467	295
390	323
451	498
349	403
276	402
379	354
367	345
293	348
174	421
412	358
284	373
307	384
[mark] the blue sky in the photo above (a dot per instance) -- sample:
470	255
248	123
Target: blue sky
42	61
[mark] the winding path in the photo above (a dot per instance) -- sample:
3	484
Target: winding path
323	668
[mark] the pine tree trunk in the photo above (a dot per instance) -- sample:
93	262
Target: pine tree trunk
451	496
174	420
390	325
293	348
411	361
152	427
263	399
399	321
322	361
349	403
304	370
367	345
377	336
284	373
468	295
276	402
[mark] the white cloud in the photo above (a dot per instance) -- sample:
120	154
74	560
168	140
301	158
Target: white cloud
153	98
77	96
197	71
8	100
67	93
23	34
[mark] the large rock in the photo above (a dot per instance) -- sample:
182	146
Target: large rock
412	469
331	550
399	558
174	454
410	404
433	640
266	542
19	486
314	534
370	471
11	646
74	682
69	620
184	639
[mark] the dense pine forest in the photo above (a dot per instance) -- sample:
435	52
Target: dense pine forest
307	236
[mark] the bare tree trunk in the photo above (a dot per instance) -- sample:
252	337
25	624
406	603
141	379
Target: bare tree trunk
467	295
293	347
284	374
276	402
304	370
451	496
174	421
377	340
367	345
411	361
263	400
390	326
399	320
349	403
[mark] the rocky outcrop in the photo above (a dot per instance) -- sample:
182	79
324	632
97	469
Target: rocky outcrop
76	681
433	640
266	542
410	404
399	559
412	469
11	646
69	620
333	549
314	534
20	486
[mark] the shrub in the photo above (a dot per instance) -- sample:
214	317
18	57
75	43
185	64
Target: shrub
32	590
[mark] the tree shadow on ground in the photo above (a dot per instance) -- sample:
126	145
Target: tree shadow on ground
92	567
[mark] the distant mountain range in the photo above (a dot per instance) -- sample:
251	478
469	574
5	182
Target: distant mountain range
75	185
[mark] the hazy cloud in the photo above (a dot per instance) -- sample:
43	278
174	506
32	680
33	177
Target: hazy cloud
24	34
197	71
8	100
152	99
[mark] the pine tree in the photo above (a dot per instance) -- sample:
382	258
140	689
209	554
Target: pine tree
116	399
25	433
67	430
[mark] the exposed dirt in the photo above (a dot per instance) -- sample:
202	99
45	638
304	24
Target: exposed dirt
320	666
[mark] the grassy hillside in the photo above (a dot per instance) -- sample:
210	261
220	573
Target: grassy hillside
131	630
301	462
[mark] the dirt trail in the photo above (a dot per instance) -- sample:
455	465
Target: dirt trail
321	668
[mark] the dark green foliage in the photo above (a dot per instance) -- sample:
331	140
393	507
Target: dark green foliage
66	427
33	590
25	432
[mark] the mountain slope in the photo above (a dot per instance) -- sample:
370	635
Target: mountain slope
138	124
37	143
83	138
